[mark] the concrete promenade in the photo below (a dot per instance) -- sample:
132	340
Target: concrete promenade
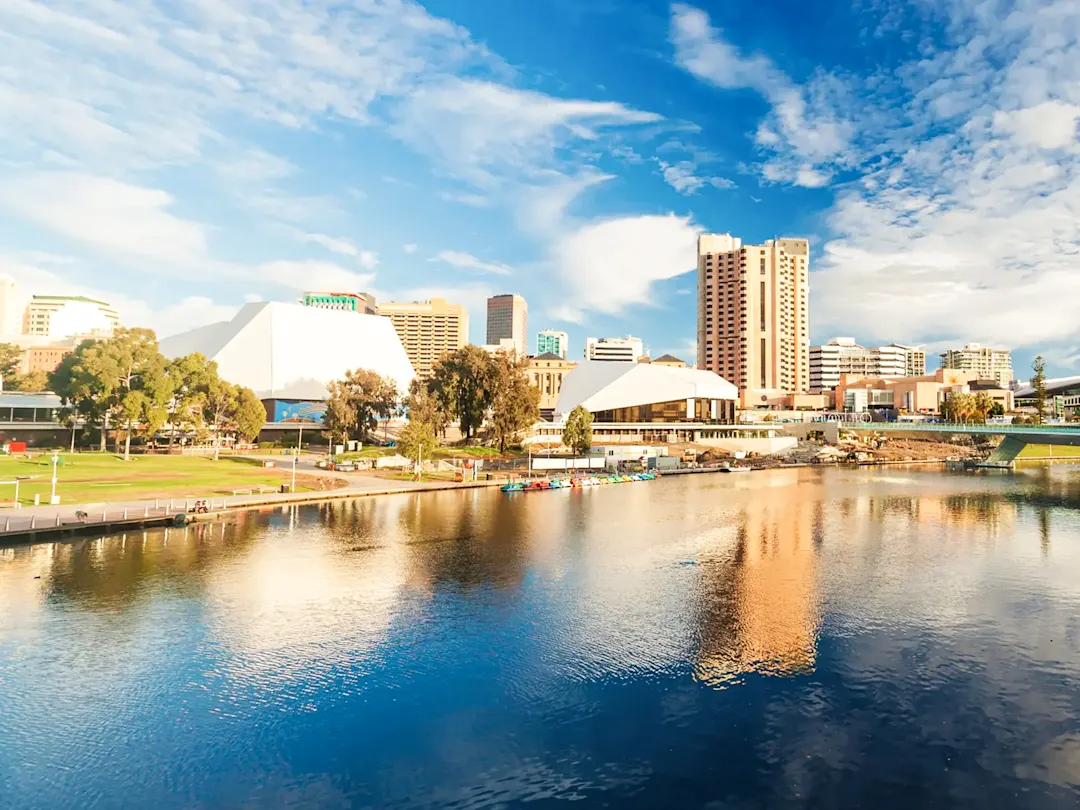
32	522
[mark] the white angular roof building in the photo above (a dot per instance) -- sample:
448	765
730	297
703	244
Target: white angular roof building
289	351
643	392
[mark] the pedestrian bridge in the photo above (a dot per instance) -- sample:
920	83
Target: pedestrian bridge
1016	437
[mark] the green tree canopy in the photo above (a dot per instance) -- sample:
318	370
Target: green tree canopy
417	440
131	375
11	357
357	402
514	400
577	432
192	377
31	381
1038	382
460	386
250	415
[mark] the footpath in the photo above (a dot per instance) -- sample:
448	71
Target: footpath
31	523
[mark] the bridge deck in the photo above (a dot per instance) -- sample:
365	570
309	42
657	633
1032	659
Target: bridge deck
1031	434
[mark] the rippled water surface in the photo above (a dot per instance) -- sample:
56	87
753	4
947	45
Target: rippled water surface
792	639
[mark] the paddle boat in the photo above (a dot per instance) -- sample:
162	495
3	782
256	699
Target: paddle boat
582	481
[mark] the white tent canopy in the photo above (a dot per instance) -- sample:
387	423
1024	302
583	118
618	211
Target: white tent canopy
605	386
288	351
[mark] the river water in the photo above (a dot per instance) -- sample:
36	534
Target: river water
888	638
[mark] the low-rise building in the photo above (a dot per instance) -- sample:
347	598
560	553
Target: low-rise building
669	360
45	358
363	303
621	350
546	372
914	394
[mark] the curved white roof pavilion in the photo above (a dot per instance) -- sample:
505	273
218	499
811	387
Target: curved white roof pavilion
606	386
288	351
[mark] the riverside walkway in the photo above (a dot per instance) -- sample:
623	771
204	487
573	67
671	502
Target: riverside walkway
34	522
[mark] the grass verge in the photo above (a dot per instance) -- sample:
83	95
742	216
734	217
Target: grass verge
102	477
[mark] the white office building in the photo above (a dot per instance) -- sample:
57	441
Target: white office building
842	355
619	350
61	316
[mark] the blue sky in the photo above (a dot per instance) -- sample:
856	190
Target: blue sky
182	158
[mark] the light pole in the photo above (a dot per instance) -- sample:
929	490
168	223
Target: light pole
296	455
53	500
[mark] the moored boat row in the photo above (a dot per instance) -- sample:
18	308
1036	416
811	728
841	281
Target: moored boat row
582	481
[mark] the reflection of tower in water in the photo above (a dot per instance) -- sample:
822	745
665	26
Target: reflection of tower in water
759	610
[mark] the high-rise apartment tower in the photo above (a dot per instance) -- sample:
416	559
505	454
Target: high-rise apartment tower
753	314
508	317
427	330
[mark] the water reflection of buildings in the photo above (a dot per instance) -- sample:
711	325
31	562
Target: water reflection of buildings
759	604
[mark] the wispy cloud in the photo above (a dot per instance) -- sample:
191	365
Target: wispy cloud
367	259
802	134
119	219
684	178
469	262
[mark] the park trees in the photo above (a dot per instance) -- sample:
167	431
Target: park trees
132	379
11	357
577	432
250	415
982	405
192	376
417	440
1038	382
357	402
959	408
423	406
513	400
126	379
11	376
460	385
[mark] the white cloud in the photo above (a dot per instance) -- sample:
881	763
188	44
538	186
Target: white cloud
959	219
170	318
466	198
303	275
683	177
335	245
470	262
610	265
1049	125
114	217
481	131
802	131
567	314
410	248
139	83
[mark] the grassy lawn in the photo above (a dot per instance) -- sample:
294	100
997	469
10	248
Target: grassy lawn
408	476
1047	451
98	477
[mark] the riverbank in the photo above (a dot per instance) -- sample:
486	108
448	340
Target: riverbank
51	522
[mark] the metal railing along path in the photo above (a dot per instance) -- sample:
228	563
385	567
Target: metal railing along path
1048	431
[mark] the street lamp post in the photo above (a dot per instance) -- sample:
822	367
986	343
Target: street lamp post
296	455
52	496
